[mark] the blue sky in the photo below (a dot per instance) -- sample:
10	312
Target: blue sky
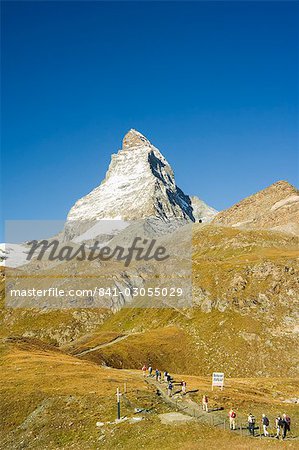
214	85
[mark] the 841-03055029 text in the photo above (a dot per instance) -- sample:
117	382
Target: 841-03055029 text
99	291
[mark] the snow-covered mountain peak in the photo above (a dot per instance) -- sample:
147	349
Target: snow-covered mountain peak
139	183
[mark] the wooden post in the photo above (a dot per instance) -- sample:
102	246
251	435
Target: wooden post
125	388
118	403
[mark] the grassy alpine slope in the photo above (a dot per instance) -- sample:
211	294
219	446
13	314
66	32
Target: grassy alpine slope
245	293
51	400
245	286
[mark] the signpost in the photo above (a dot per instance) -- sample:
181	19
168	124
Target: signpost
118	394
218	380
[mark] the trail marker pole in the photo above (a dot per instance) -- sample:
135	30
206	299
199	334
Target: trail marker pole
118	394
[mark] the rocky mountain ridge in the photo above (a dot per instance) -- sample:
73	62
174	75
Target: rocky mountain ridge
275	207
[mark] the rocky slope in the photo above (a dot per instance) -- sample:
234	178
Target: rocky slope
276	207
245	298
245	295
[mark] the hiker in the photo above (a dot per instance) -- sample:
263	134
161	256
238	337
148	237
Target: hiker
278	426
157	374
278	421
150	369
286	425
165	376
232	419
184	385
251	424
265	423
205	402
168	378
169	389
144	369
288	421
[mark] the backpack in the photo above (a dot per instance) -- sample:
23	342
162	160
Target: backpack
280	423
233	415
266	421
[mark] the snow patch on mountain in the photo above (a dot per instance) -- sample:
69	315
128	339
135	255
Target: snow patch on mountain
201	211
13	255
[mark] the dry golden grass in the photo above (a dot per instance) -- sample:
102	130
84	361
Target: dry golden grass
194	342
52	401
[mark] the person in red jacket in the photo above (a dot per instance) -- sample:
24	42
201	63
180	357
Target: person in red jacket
232	419
205	402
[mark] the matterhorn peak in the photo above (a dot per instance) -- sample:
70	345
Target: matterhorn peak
139	184
135	139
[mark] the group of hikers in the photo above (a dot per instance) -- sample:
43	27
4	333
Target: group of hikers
167	378
282	423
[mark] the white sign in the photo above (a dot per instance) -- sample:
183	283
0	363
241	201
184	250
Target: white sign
218	379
